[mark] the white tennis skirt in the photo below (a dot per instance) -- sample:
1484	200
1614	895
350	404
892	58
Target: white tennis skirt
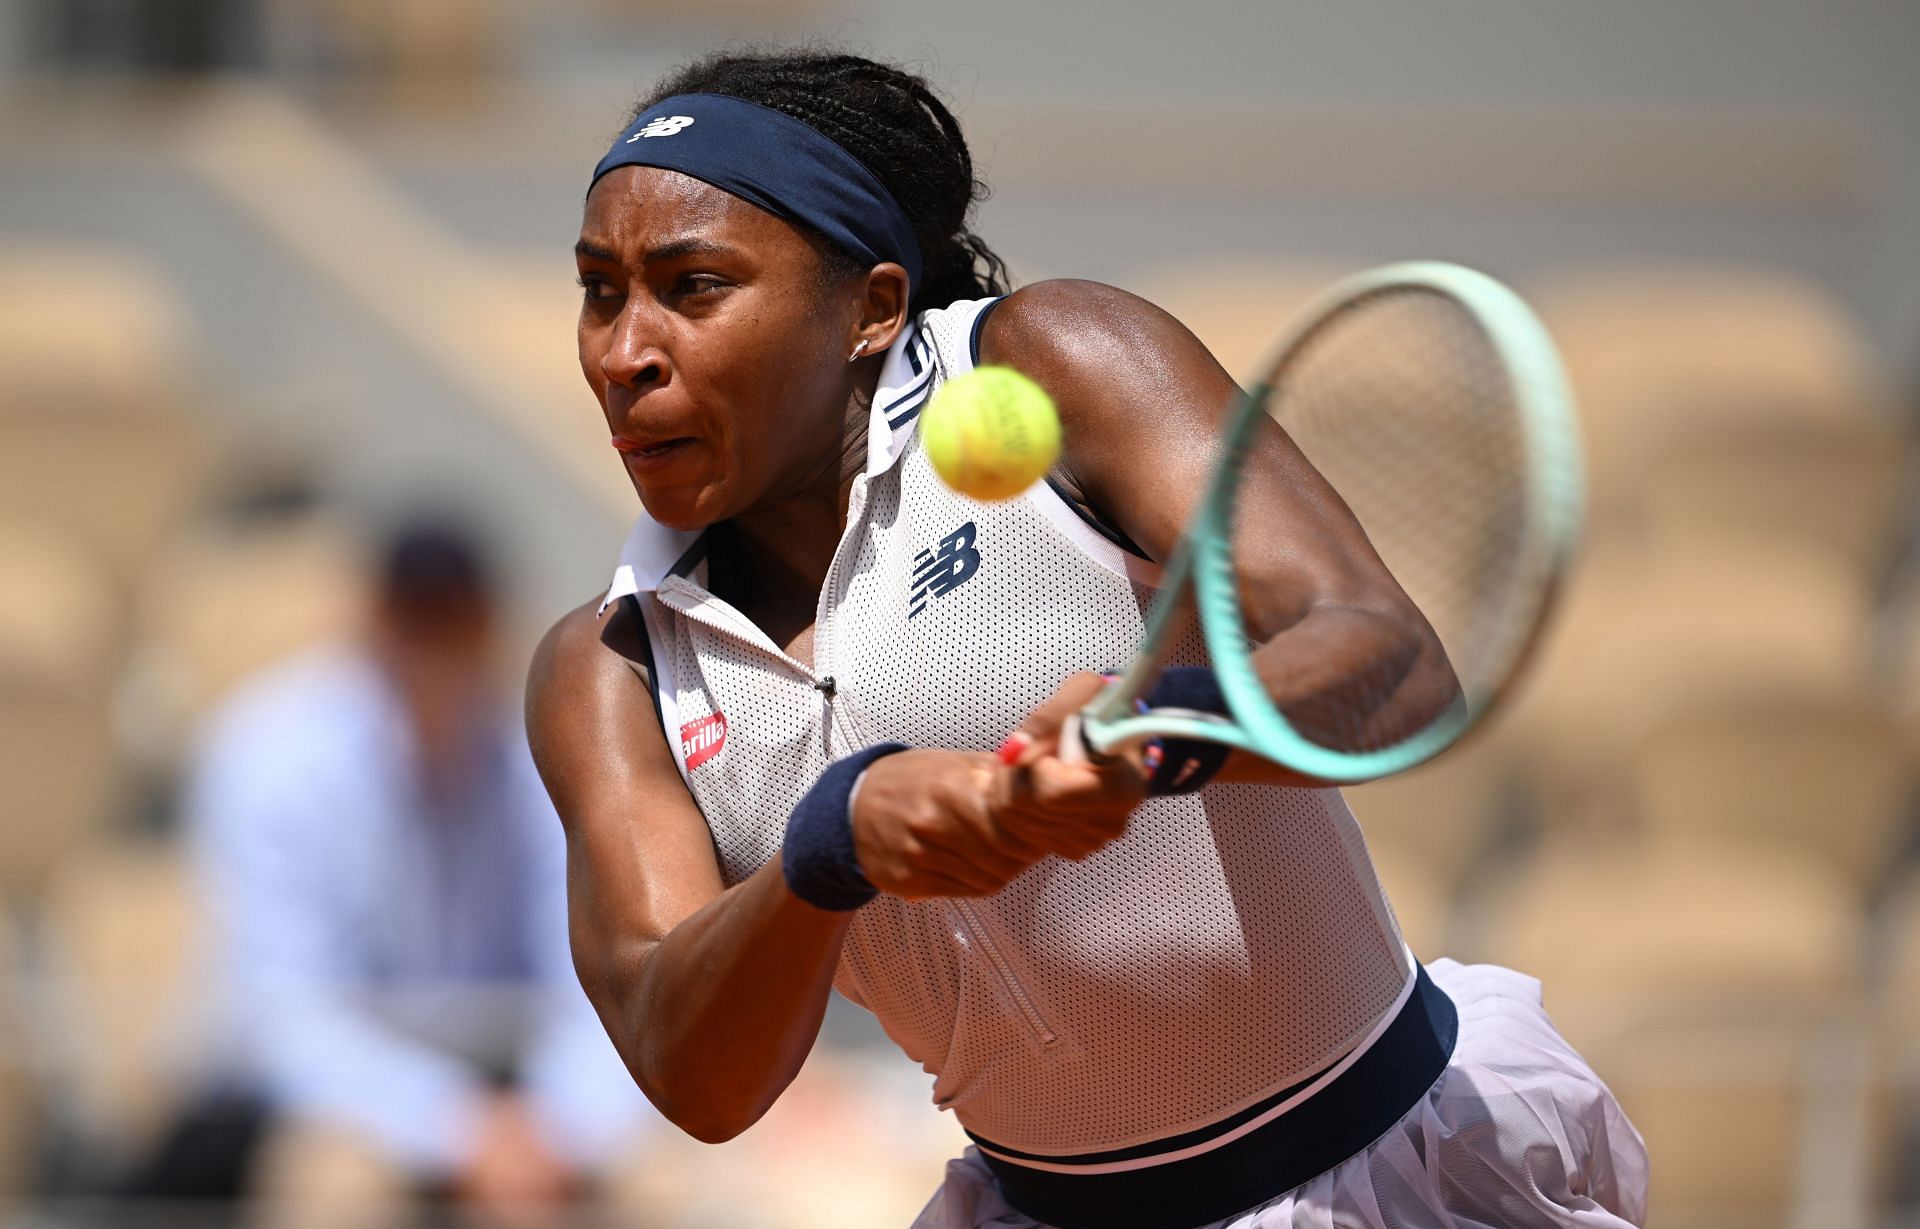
1517	1132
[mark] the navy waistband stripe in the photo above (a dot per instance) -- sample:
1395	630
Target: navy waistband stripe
1355	1108
1172	1143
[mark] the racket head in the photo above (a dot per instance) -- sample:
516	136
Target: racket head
1432	400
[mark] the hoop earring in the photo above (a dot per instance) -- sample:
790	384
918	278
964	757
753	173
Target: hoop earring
858	351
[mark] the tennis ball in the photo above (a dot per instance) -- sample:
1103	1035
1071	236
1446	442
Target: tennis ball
991	433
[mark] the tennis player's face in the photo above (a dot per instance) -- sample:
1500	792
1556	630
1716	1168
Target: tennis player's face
720	365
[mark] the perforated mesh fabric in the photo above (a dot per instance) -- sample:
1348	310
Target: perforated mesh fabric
1229	944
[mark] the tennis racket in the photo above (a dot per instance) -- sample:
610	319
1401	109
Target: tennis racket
1431	398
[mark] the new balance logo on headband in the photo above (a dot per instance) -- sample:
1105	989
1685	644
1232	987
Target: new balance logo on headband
946	567
775	161
665	126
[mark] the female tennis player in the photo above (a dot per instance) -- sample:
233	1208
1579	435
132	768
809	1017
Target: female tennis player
1160	991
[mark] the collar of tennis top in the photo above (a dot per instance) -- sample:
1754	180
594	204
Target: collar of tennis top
906	378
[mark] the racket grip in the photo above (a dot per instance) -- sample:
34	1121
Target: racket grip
1073	742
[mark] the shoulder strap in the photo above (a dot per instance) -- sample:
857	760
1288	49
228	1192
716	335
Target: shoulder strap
645	669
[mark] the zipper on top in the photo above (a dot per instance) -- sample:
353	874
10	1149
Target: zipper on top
711	612
824	681
1029	1011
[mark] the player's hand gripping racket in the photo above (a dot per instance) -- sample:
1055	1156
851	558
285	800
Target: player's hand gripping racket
1431	399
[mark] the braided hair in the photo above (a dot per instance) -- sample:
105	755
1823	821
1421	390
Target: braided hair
892	122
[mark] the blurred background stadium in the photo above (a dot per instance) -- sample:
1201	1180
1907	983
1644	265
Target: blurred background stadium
271	270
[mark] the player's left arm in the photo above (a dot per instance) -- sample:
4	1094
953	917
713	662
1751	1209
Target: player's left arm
1142	403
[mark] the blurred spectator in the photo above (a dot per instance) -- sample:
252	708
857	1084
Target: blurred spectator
385	879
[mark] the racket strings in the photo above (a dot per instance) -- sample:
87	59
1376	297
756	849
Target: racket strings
1402	403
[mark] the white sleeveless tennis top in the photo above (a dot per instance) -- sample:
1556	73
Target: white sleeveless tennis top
1232	944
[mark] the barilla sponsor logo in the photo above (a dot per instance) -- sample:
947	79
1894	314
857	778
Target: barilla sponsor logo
702	738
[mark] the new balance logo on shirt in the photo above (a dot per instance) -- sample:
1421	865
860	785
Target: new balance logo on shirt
945	567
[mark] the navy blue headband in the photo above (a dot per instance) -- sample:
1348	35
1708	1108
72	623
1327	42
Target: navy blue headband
776	162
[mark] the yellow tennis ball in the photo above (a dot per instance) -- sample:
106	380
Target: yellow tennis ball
991	433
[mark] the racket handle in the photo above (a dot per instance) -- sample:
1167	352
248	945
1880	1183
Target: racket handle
1073	747
1073	742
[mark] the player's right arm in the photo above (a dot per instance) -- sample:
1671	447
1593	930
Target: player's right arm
714	995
